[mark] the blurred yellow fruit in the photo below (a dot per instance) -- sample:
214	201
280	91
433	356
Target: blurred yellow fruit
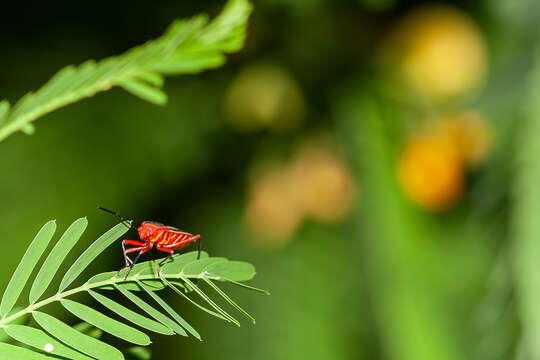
264	96
322	183
441	51
472	134
316	184
431	171
272	212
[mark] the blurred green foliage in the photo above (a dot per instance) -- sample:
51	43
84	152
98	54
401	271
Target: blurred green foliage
391	281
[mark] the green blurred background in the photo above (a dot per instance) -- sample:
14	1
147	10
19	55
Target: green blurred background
377	161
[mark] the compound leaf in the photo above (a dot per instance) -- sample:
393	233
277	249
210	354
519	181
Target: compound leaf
188	46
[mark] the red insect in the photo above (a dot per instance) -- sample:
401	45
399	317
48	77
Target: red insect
164	238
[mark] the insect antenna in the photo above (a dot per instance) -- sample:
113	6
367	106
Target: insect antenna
118	216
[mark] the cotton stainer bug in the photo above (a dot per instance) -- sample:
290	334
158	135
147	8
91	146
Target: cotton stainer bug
164	238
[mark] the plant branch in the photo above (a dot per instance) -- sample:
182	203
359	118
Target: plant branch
89	286
187	47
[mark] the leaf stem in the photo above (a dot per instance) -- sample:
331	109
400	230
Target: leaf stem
84	287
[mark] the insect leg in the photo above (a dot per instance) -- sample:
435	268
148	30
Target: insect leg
198	253
128	261
142	250
134	242
198	238
164	249
126	258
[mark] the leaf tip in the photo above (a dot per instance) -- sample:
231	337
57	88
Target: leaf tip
28	128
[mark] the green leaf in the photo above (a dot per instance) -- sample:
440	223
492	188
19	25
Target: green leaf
12	352
142	268
28	128
231	270
91	253
88	329
187	46
26	266
210	301
174	266
231	21
155	284
153	312
170	311
130	315
55	258
3	335
181	284
62	340
190	63
43	341
150	267
69	336
74	342
198	267
151	77
179	261
145	91
20	320
180	266
179	292
229	300
106	323
266	292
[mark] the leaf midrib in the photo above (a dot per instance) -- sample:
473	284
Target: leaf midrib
88	286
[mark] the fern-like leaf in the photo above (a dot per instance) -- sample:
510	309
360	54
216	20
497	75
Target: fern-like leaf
82	341
188	46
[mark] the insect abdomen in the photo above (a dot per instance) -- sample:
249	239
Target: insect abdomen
169	238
